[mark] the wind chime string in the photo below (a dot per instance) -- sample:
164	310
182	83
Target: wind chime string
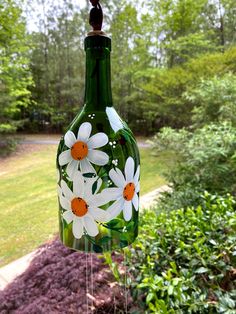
87	305
91	274
125	279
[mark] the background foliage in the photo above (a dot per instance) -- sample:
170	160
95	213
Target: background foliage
173	75
185	263
15	74
162	50
205	160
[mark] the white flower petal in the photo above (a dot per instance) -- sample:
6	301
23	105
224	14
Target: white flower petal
115	209
127	212
59	191
135	201
58	176
99	184
114	119
137	187
97	140
88	187
69	139
112	194
66	191
98	157
90	226
84	132
72	168
78	184
137	174
68	216
99	214
88	191
77	228
97	200
86	167
117	177
65	203
129	169
64	158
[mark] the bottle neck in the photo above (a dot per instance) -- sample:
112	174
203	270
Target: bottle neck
98	94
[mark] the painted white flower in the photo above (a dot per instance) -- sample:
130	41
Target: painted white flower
114	119
82	152
82	206
59	192
125	194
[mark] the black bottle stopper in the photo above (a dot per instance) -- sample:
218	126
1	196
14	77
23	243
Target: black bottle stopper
96	16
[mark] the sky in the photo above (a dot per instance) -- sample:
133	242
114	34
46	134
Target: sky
32	9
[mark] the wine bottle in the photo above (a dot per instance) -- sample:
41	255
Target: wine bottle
98	165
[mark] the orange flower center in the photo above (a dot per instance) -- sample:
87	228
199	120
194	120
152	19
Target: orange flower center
79	150
128	192
79	207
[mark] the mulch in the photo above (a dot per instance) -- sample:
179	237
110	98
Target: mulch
56	280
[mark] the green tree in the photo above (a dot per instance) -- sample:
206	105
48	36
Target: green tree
14	67
124	30
158	54
57	64
214	100
164	101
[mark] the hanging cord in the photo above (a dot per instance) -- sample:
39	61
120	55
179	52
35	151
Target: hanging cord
91	274
96	15
87	283
126	283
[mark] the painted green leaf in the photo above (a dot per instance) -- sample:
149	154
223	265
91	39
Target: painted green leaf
105	239
116	223
94	187
124	236
124	243
89	175
130	226
97	248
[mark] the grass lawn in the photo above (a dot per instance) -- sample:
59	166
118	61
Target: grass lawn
28	200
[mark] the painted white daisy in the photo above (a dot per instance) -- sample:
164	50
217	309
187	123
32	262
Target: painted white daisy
125	194
115	121
59	192
82	150
82	206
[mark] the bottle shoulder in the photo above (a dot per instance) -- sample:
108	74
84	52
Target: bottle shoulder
106	122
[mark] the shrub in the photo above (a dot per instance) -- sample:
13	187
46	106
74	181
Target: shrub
185	263
206	160
214	100
8	140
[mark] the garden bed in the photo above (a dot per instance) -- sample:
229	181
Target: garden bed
56	281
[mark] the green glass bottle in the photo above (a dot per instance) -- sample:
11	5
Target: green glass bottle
99	166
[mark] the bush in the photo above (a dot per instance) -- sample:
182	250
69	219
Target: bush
214	100
163	100
185	263
206	160
8	140
8	145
